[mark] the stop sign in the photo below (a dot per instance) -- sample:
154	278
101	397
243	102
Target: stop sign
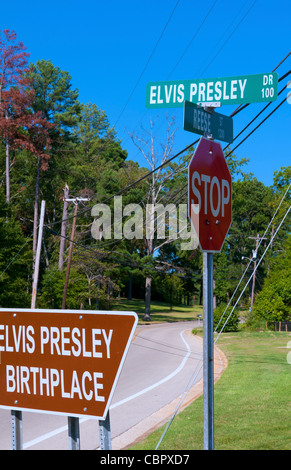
209	195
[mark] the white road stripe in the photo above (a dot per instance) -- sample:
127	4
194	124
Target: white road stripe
115	405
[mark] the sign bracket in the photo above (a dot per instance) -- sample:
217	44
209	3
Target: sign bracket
209	108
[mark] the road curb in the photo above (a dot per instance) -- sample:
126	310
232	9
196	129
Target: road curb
141	430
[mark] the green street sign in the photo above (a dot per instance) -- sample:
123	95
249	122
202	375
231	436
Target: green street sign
230	90
200	121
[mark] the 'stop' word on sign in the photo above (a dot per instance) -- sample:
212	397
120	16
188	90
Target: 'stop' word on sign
62	361
229	90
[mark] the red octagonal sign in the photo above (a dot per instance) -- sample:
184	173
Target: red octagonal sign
209	195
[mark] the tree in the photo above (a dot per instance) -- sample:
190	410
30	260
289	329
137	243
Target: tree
154	158
251	214
273	303
15	260
21	127
97	154
13	66
56	101
220	316
54	95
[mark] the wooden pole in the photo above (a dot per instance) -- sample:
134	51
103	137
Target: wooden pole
37	256
70	257
63	228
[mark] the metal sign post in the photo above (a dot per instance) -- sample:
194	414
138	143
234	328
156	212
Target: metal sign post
16	430
208	358
105	433
74	433
209	201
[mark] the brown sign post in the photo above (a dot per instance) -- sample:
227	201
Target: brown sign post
61	361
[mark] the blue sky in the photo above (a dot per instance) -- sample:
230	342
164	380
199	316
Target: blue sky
113	49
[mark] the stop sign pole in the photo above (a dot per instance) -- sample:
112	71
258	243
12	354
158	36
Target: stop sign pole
208	356
210	215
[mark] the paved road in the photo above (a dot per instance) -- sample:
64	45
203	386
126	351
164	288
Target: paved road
161	360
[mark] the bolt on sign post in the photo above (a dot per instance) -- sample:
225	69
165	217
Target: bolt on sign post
209	206
62	361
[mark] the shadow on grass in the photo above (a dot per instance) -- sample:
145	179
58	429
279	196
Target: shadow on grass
160	311
159	318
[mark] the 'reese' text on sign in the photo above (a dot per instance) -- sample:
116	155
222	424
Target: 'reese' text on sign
228	90
62	362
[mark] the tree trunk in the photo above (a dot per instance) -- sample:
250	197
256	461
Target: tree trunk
129	297
7	167
97	297
148	289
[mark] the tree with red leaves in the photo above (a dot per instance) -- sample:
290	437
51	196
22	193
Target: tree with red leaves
20	125
13	66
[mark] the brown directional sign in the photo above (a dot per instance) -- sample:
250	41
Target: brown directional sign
62	361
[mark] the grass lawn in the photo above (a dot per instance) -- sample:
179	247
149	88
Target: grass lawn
252	399
160	311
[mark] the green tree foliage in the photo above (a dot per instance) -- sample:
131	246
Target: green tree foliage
273	303
54	95
15	261
252	211
86	154
221	320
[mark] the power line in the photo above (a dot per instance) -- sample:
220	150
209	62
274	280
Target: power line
185	50
142	178
228	38
256	268
260	241
199	365
193	37
147	63
257	115
175	156
259	125
241	107
106	254
236	111
145	176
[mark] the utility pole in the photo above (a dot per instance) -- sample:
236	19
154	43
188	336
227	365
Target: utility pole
254	258
64	228
73	423
70	257
76	201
